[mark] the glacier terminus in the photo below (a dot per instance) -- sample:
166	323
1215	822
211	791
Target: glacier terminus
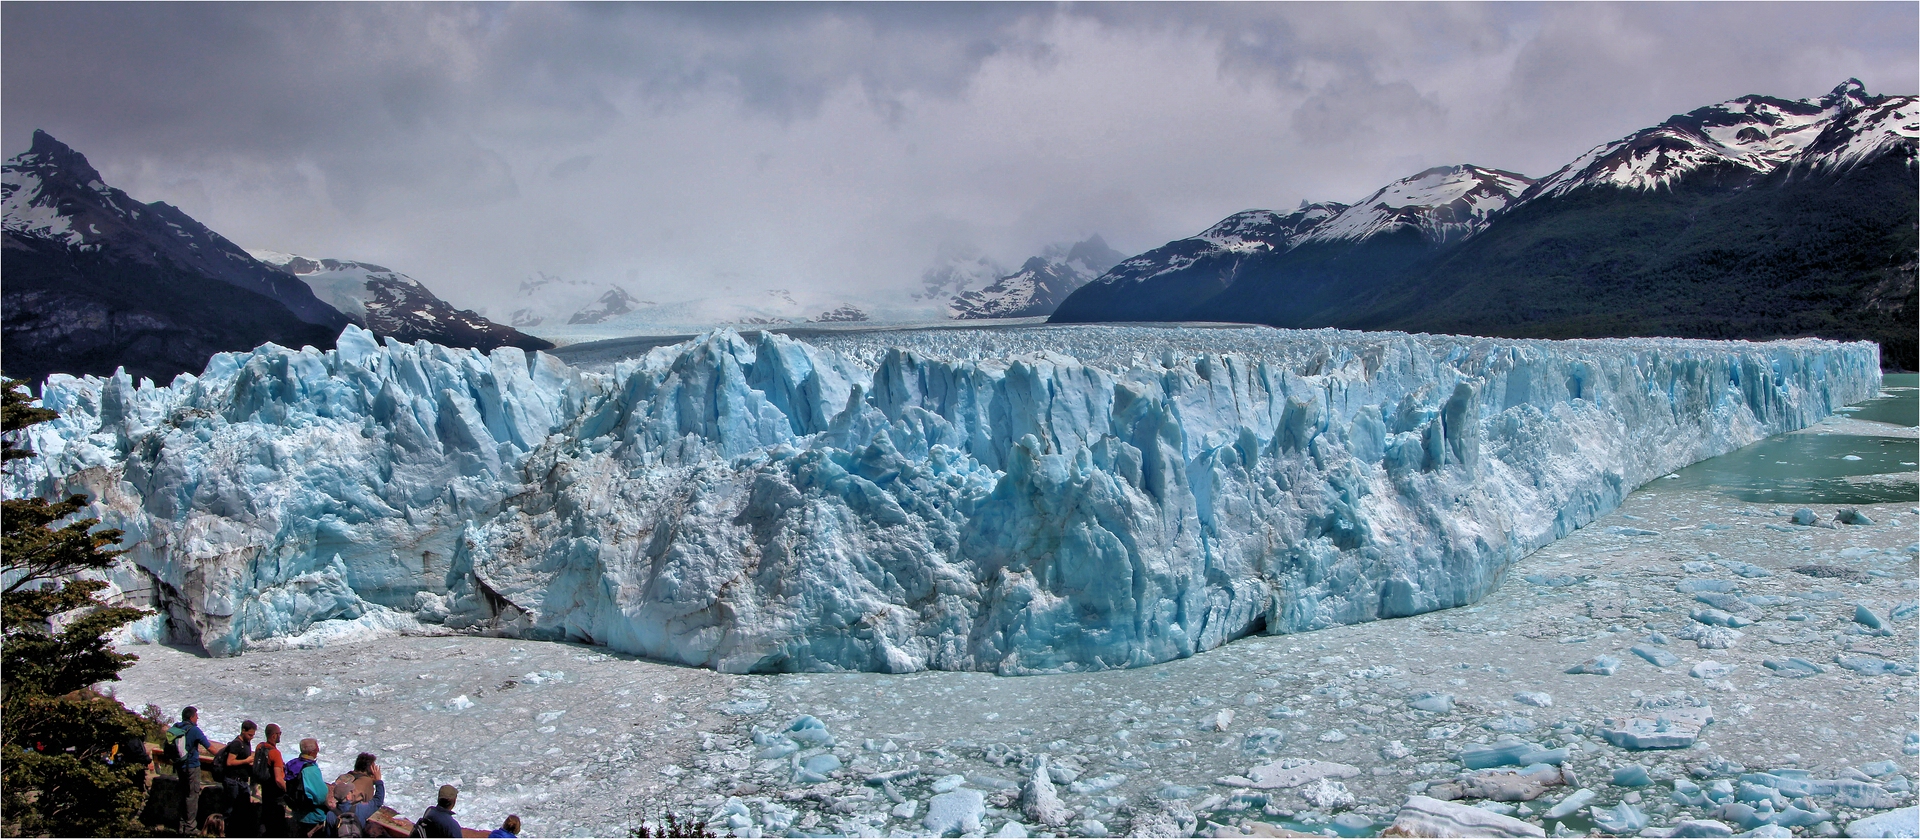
1018	501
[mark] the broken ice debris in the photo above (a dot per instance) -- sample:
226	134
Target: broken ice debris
1710	637
1793	668
1631	775
1710	670
1327	794
1571	804
1510	753
1805	517
1423	816
1538	699
1524	784
1655	656
1866	617
806	729
1432	702
1670	728
1600	665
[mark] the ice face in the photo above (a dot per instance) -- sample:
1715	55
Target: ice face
1024	501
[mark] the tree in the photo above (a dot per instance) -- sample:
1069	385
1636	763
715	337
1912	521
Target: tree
67	766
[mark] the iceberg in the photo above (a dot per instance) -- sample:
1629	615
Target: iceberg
1017	501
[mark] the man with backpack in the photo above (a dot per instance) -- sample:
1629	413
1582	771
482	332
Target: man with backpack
236	764
185	743
307	792
438	820
270	772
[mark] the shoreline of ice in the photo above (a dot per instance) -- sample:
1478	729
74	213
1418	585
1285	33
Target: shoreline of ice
1020	501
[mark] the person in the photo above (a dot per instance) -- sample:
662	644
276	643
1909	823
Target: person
187	737
270	769
217	825
438	820
360	793
307	792
509	829
238	779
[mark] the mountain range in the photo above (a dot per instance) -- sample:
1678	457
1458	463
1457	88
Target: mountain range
1754	218
96	280
1040	285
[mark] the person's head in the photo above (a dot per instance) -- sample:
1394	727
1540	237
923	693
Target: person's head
448	795
246	730
512	824
273	733
216	825
364	763
309	748
190	714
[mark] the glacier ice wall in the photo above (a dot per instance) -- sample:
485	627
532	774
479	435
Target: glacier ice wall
1018	501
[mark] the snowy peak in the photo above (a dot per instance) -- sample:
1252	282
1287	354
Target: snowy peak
392	304
1238	235
1041	284
1444	204
51	193
614	303
1752	134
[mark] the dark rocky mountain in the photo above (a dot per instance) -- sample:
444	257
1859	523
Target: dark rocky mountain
1037	289
95	280
614	303
393	305
1754	218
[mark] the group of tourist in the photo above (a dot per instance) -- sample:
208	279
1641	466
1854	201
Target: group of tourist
268	795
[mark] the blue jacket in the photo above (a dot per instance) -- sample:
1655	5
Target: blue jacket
191	739
439	822
316	790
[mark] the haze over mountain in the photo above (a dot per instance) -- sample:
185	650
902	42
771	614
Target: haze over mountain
1759	217
675	149
394	305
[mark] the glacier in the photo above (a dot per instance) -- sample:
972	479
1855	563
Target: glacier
1018	501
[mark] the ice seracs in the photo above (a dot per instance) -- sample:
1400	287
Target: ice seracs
1046	500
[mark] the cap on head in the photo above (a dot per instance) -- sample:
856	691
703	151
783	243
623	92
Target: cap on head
448	795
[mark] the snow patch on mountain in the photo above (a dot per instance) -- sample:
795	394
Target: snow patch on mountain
1757	134
1445	204
1241	234
1040	284
1042	500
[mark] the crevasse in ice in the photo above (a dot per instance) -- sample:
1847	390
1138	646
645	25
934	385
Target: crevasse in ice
1016	501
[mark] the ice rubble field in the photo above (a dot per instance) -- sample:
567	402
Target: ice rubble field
1055	499
1336	729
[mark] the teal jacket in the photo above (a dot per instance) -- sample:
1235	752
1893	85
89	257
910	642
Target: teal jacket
316	790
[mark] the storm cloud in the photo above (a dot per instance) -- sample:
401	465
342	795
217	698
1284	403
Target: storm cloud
684	149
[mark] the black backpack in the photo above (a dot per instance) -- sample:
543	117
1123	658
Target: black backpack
262	768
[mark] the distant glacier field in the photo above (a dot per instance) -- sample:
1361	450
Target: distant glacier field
1018	501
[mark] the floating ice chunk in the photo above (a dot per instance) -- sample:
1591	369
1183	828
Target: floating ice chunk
1631	775
1698	586
1395	750
1571	804
742	707
949	783
1040	801
1554	580
815	769
1220	721
1010	830
1862	795
1746	569
1432	702
1794	816
809	731
1711	670
1669	728
1696	829
1423	816
1793	668
1655	656
1511	753
1538	699
1098	783
1849	515
1525	784
1293	772
1805	517
1327	794
1631	531
1600	665
1904	822
1872	666
1263	742
459	703
1880	768
1710	637
1867	618
1622	818
959	811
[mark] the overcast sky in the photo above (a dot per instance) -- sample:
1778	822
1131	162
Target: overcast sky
680	150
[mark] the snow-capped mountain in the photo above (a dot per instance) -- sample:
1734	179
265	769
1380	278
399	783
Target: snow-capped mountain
1445	204
956	272
97	280
391	304
1040	284
549	301
614	303
51	193
1749	136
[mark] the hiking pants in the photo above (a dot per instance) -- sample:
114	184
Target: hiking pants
273	811
190	801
